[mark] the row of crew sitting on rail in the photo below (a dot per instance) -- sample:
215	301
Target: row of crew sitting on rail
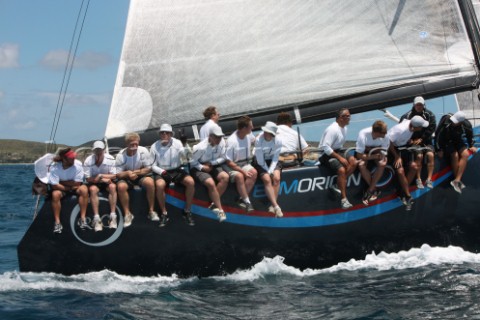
407	143
215	162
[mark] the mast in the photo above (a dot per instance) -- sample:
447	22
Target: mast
472	26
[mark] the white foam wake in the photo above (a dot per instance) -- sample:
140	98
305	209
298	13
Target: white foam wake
97	282
111	282
413	258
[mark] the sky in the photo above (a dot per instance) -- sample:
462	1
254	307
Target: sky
34	41
35	38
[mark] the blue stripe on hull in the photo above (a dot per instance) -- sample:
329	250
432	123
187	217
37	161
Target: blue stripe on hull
316	219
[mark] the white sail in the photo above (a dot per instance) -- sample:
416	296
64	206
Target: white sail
247	55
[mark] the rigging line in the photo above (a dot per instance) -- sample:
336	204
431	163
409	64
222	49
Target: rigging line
67	65
71	67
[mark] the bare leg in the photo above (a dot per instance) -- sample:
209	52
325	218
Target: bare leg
56	204
112	197
213	192
462	165
454	163
269	189
430	165
94	198
377	174
189	191
419	164
250	181
160	192
82	193
352	166
124	197
342	182
366	174
276	182
222	183
240	184
149	186
403	181
412	172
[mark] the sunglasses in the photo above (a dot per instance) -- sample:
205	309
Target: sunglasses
165	132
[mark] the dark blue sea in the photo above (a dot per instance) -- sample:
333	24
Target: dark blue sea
421	283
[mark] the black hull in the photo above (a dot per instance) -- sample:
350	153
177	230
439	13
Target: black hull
314	233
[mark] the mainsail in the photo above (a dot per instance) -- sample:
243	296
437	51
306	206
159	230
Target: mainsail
257	57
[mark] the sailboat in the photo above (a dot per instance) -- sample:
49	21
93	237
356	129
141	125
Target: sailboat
308	58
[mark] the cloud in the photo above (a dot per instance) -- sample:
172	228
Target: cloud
17	120
12	114
9	55
57	59
25	125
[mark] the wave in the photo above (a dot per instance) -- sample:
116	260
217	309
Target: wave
413	258
110	282
96	282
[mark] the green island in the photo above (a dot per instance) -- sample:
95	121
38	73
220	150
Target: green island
19	151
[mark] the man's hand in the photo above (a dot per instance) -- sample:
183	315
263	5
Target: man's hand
398	163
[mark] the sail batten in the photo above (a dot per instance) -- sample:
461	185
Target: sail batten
254	56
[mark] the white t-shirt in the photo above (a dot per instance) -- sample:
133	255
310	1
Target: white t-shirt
205	129
92	170
204	152
267	150
365	140
58	174
239	150
333	138
141	159
167	157
289	139
400	133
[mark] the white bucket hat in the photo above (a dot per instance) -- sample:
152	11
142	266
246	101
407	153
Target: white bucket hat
270	127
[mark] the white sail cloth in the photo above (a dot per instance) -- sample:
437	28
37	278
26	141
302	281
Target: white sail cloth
247	55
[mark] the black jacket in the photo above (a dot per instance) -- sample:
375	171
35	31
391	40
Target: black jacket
426	133
447	133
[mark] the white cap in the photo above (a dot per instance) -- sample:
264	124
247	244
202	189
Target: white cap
165	127
216	131
270	127
98	145
459	116
418	122
419	100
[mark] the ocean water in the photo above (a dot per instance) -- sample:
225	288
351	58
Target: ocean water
421	283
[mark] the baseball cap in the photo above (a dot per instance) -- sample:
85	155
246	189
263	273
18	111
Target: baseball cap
216	131
418	121
459	116
419	100
98	145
